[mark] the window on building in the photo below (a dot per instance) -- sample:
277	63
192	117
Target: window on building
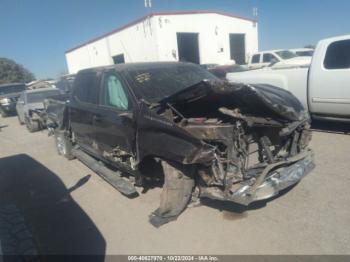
119	59
338	55
87	87
113	93
256	59
269	58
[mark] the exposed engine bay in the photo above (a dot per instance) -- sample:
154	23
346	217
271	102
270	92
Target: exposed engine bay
252	145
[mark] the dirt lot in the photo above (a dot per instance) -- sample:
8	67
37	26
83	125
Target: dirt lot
69	209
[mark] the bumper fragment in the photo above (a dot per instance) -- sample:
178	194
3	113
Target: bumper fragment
277	180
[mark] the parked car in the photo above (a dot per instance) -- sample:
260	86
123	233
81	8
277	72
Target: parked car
9	94
220	71
209	66
277	58
65	83
302	51
30	107
193	127
323	88
38	84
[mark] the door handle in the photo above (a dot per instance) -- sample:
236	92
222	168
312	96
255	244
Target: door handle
96	119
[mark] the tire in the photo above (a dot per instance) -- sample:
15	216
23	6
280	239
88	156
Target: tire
32	125
177	191
63	144
16	240
3	113
19	120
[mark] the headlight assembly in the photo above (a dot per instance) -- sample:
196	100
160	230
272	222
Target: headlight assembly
5	101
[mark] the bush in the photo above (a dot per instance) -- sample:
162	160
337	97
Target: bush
11	72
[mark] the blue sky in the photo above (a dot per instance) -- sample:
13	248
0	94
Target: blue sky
36	33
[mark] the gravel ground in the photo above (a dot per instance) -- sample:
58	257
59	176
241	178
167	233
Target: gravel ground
71	210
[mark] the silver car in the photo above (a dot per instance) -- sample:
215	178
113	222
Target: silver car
30	105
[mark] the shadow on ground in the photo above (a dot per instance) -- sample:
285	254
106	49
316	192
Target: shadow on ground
58	224
330	127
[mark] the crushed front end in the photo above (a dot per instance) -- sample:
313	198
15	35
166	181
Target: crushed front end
254	139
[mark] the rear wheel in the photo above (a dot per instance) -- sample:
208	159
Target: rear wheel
63	144
32	125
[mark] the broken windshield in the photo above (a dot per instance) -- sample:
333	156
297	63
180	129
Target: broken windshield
156	83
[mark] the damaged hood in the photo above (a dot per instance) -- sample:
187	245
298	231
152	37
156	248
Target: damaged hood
253	99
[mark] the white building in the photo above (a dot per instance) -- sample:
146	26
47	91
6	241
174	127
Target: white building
199	37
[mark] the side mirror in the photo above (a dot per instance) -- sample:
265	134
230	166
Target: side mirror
274	61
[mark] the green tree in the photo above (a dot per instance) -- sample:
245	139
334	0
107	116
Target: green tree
11	72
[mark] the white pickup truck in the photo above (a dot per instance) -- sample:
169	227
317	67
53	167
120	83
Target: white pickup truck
323	88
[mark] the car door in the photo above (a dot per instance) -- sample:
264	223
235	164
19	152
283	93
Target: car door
114	121
329	77
83	107
20	107
269	58
254	61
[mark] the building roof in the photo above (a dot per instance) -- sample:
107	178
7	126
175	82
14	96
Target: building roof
157	14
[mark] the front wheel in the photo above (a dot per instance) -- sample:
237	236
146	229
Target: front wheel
32	125
63	144
3	113
19	120
176	194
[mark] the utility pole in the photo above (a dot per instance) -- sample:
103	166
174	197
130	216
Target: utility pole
148	3
255	14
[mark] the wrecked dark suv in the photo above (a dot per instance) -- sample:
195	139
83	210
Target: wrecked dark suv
208	138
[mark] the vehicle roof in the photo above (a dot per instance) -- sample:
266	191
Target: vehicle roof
335	38
270	51
12	84
301	49
66	76
140	65
39	90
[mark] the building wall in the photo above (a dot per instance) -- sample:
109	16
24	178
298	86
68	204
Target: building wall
137	43
213	29
154	39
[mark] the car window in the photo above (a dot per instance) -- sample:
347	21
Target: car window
304	53
256	59
38	97
8	89
338	55
86	87
113	92
286	54
268	58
